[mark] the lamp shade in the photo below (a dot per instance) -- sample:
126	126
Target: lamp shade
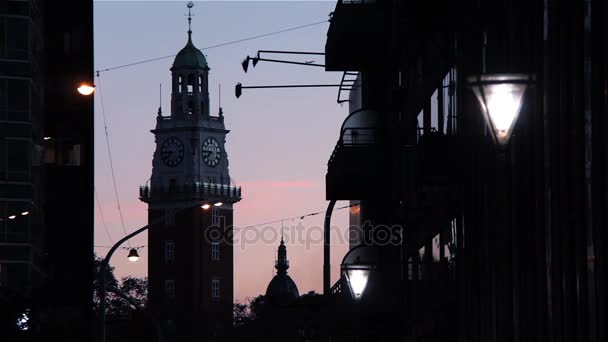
133	256
500	97
357	268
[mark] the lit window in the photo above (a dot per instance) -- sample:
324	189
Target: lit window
215	251
215	288
170	288
169	252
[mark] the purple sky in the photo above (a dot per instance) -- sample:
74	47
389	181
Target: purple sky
279	143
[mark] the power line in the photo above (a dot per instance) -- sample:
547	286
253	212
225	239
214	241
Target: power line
103	113
301	217
214	46
103	220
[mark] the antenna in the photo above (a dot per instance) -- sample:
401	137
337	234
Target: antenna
221	112
282	231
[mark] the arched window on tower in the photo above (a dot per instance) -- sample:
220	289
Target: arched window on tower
190	103
190	84
180	82
200	84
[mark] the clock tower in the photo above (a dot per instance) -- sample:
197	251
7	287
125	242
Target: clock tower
190	199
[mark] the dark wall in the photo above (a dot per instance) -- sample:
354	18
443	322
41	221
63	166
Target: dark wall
68	39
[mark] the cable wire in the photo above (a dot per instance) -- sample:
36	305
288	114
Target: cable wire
214	46
103	113
301	217
103	220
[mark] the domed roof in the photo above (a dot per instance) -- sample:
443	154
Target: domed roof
190	57
282	290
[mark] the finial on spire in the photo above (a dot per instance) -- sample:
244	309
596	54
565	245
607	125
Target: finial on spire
190	5
160	99
282	242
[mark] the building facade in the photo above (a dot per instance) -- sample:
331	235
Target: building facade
46	138
190	198
500	245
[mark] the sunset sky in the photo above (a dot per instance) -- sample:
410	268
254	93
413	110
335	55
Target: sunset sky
280	139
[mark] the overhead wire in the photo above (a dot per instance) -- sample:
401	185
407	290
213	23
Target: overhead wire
213	46
105	125
103	220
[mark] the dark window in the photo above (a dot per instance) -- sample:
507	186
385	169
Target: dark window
215	288
215	251
17	100
169	252
18	156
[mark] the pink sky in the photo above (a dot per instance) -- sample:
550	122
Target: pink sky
279	143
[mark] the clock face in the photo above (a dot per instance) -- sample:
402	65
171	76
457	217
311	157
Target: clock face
172	151
211	152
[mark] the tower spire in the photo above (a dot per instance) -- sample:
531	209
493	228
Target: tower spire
190	5
282	264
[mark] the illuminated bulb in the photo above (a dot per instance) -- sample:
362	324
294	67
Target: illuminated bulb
86	89
25	213
12	217
218	204
205	206
357	280
47	138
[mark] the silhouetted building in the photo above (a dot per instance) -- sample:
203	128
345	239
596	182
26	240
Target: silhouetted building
46	166
282	290
190	198
500	245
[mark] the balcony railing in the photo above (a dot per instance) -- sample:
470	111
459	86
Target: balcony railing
196	190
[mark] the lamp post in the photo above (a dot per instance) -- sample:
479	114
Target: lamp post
132	255
500	97
357	267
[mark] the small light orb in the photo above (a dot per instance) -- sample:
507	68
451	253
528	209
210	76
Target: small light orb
86	89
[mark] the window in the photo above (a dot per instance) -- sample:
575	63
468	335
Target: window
170	288
169	217
216	218
169	252
215	288
215	251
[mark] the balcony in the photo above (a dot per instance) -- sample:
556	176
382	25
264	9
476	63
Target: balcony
198	191
353	168
358	35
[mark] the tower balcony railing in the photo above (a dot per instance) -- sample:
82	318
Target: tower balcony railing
189	191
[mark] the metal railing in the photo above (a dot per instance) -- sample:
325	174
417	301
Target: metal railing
353	137
191	190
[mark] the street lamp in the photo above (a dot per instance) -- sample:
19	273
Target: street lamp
206	206
86	89
500	97
133	256
357	267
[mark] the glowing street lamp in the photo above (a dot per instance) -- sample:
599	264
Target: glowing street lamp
500	97
218	204
357	267
133	256
86	89
206	206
